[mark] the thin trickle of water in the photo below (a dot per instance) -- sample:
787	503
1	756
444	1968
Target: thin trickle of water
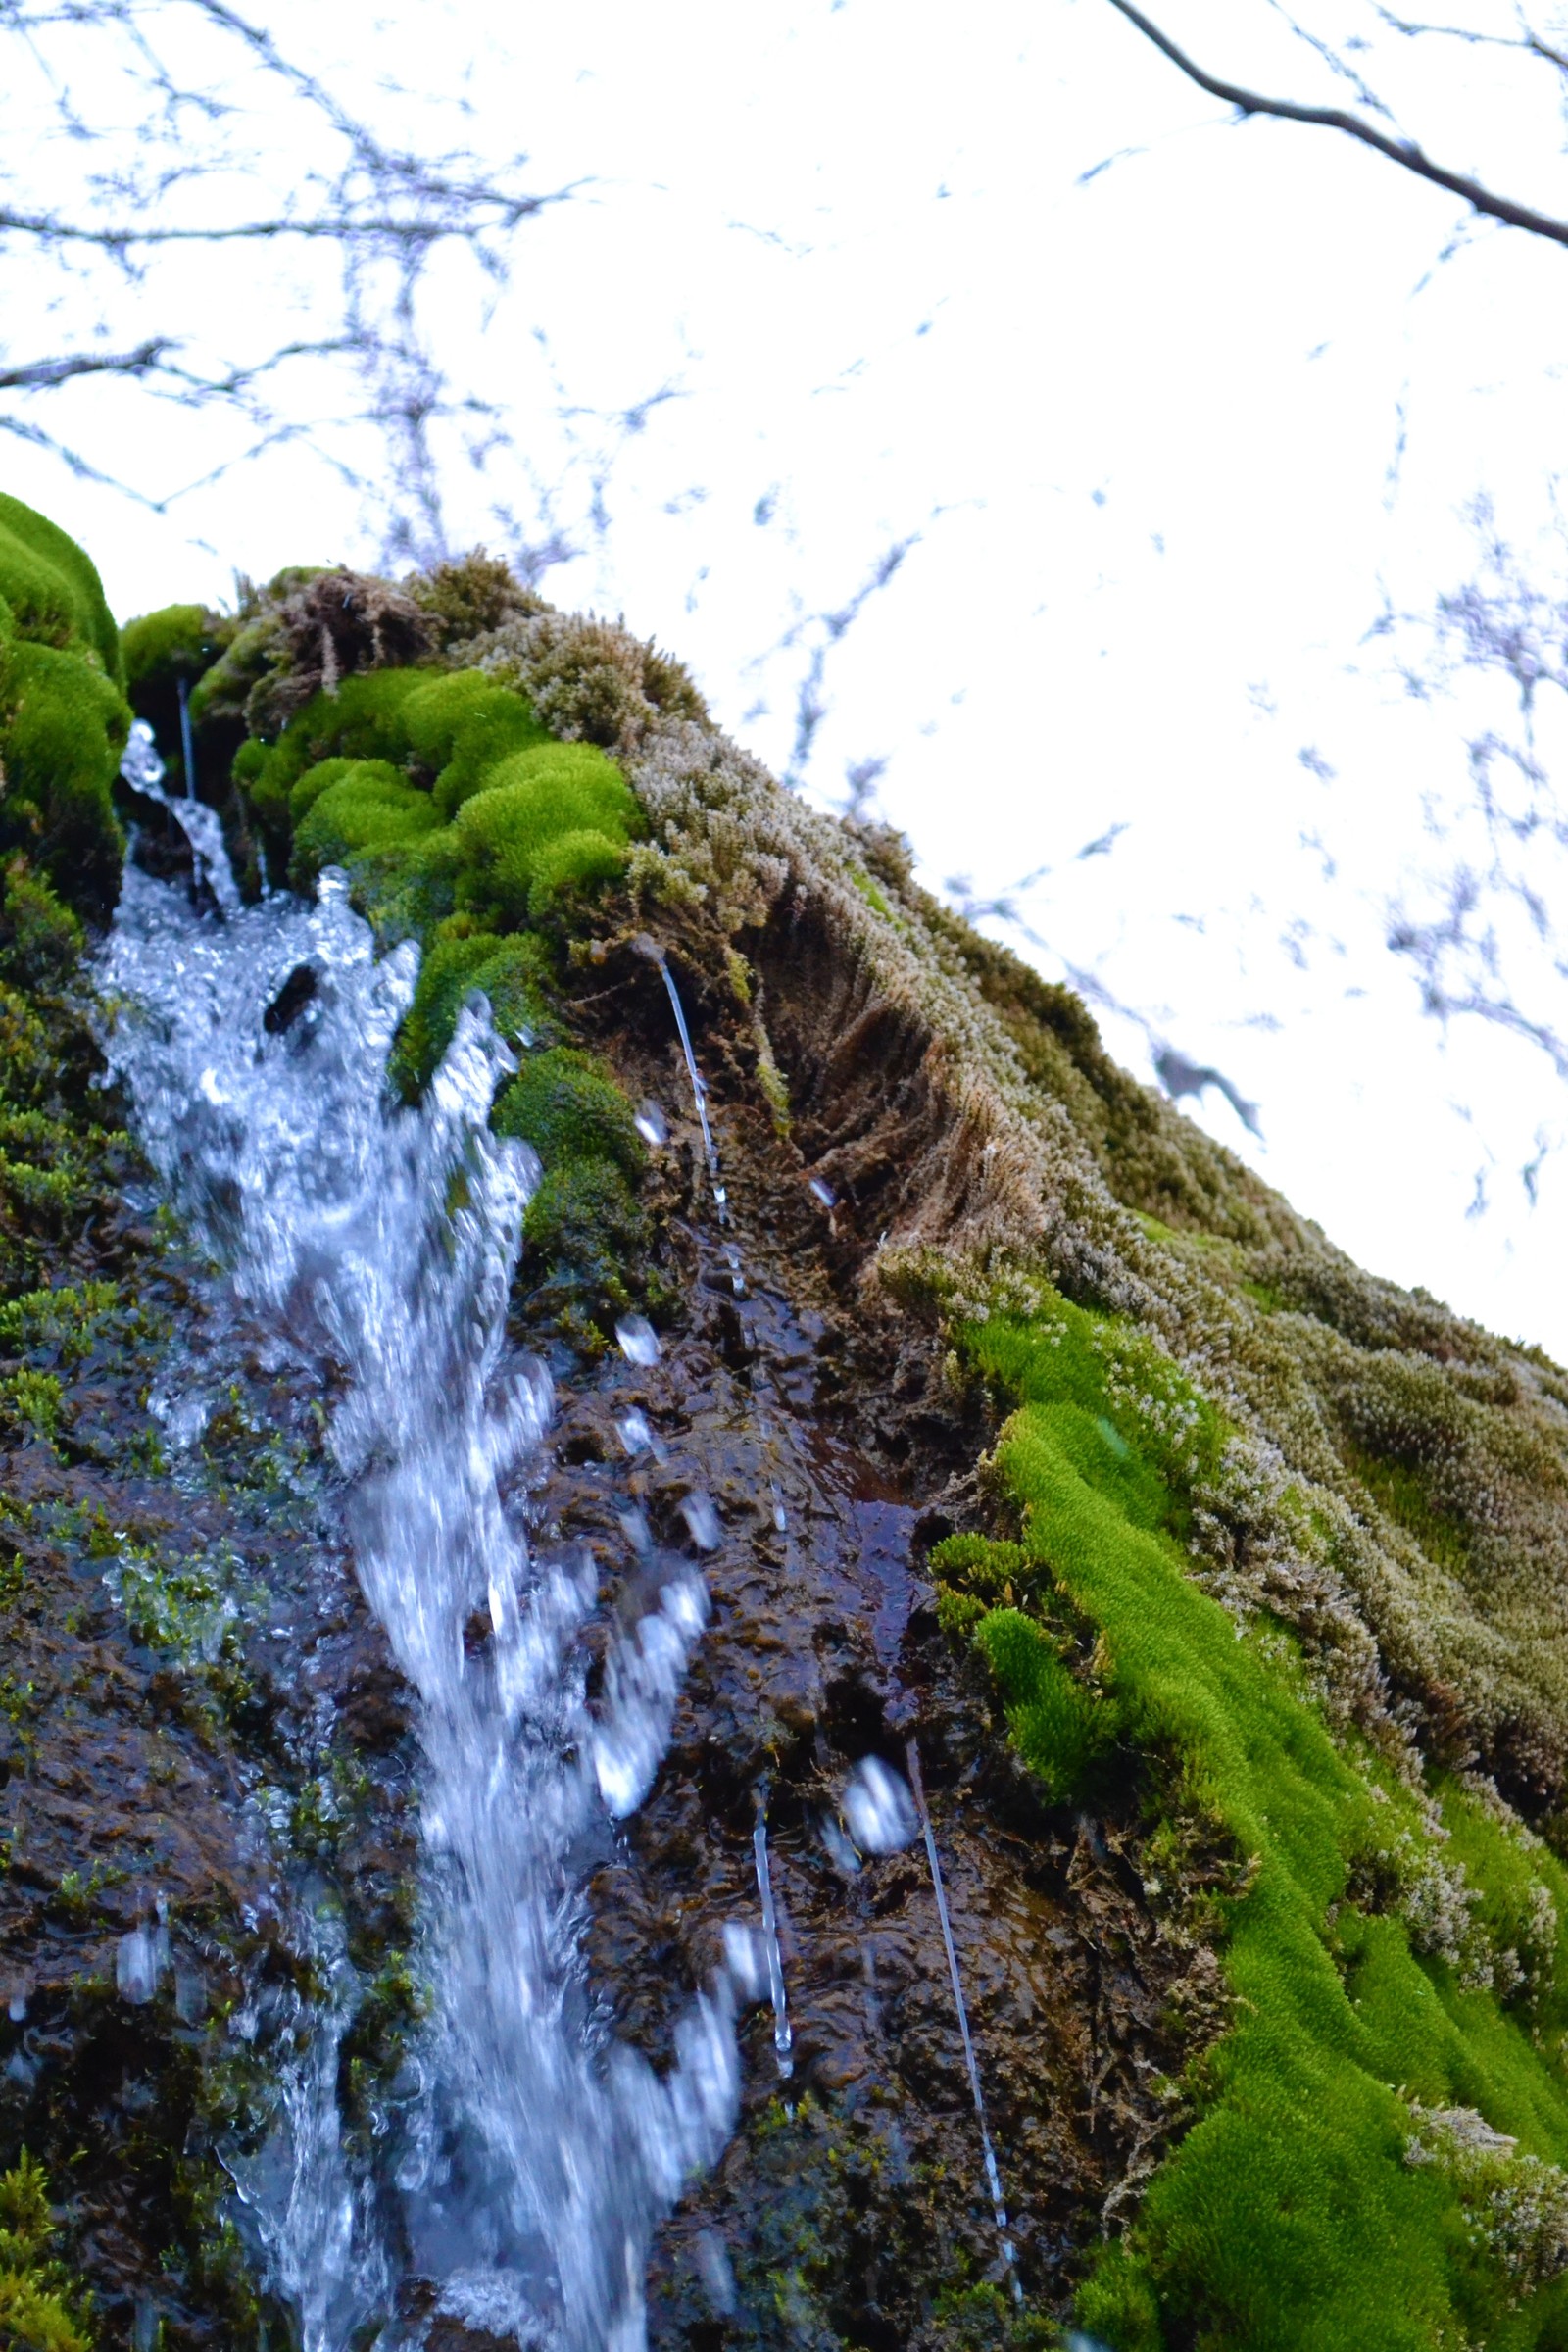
186	741
992	2174
699	1084
525	2172
783	2032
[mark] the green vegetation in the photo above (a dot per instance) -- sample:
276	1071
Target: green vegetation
42	2307
63	718
460	820
583	1220
54	594
514	974
162	651
56	1162
1386	1945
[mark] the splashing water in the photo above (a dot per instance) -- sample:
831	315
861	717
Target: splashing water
525	2177
142	768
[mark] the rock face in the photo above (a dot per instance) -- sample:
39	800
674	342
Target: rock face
1219	1587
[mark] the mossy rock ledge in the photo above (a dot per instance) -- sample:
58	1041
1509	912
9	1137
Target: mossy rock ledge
1221	1587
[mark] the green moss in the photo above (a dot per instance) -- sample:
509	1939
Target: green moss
568	1106
462	726
41	941
63	728
514	974
54	593
367	807
31	1401
42	2307
584	1222
549	820
1055	1726
163	650
176	641
1290	2213
361	721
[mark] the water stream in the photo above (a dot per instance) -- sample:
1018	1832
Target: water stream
376	1246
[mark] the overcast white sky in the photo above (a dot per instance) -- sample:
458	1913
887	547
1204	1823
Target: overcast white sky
1161	443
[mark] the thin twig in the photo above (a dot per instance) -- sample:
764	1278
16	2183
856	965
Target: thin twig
1404	152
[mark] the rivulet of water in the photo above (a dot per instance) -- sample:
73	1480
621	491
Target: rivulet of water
379	1244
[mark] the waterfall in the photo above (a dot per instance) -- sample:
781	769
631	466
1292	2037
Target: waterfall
377	1245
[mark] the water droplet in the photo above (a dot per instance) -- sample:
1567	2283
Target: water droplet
634	1433
703	1521
746	1960
840	1852
718	2278
140	764
824	1192
652	1124
879	1809
136	1966
634	1527
18	2008
639	1342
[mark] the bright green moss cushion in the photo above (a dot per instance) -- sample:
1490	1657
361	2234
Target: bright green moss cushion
458	729
367	807
516	833
55	595
63	718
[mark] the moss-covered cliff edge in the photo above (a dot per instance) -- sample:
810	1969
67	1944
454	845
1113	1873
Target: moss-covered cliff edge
1220	1585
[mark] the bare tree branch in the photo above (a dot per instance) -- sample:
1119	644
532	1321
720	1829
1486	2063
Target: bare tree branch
1528	45
151	156
1404	152
44	375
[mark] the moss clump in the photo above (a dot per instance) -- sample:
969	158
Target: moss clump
366	808
568	1106
41	941
63	718
1055	1724
584	1219
389	758
461	821
468	598
550	823
55	596
42	2307
360	721
513	974
1365	1945
460	728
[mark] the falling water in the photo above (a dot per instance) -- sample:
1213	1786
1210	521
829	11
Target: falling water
783	2033
971	2064
699	1085
379	1244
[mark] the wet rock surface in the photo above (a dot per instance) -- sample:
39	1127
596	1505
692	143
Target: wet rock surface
186	1658
204	1738
852	2206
